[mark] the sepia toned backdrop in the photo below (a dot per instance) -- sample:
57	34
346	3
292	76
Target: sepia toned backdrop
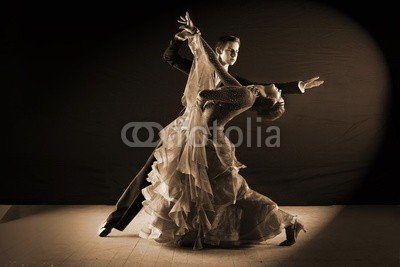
75	75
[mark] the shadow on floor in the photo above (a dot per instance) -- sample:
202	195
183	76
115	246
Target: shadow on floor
16	212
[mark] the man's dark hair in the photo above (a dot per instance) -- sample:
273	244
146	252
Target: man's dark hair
223	40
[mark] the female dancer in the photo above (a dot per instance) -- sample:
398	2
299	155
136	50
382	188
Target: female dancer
196	194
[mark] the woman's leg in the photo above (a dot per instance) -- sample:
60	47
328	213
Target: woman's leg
261	219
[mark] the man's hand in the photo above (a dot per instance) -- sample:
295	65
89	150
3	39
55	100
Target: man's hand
200	101
311	83
183	35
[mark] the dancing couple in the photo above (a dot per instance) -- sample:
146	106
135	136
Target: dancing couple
190	186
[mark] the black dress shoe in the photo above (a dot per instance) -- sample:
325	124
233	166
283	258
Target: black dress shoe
105	230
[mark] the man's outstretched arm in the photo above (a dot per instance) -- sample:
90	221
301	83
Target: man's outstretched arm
295	87
287	88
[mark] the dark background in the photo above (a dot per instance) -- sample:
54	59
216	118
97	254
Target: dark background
74	75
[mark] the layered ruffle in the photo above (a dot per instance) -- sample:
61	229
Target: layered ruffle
180	197
197	194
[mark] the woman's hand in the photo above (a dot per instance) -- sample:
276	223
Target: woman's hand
187	24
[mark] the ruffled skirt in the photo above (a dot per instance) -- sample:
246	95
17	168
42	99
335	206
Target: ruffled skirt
198	196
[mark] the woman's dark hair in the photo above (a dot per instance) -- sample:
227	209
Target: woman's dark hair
223	40
266	108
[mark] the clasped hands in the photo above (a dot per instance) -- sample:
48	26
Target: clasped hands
187	27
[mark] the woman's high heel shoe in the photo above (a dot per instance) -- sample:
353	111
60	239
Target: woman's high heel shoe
292	232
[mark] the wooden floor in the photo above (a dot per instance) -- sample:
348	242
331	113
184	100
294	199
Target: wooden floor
67	236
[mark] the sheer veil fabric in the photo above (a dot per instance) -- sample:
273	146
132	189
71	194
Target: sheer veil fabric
180	195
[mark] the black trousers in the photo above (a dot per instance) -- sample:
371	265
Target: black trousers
130	202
